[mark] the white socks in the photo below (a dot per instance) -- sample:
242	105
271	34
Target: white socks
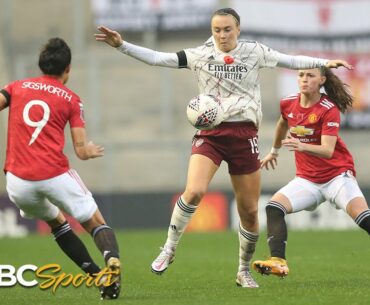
181	216
247	245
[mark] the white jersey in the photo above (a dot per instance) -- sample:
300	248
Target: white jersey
233	77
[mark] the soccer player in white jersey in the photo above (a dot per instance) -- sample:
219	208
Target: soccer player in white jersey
39	180
325	167
229	69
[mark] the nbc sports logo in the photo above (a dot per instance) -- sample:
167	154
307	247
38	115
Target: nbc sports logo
50	276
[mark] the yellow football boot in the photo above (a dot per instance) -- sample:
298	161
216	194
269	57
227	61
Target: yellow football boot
274	265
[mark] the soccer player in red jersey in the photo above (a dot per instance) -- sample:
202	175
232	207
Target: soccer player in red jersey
39	180
324	166
228	68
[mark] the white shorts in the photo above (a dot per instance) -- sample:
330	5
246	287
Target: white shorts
44	198
306	195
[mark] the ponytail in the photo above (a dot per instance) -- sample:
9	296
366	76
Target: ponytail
336	90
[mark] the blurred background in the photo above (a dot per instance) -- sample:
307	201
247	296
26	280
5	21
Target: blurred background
138	112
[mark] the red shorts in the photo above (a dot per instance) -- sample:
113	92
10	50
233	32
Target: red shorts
234	142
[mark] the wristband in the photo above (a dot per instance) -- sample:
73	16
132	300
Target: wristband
275	151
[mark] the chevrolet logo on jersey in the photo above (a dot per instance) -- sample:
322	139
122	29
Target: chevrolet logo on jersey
301	131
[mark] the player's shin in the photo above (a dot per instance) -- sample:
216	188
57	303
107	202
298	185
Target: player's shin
180	218
106	241
247	245
277	233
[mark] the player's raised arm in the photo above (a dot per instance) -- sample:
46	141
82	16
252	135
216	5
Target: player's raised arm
336	63
109	36
297	62
145	55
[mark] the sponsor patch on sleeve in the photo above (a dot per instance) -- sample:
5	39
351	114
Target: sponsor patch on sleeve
333	124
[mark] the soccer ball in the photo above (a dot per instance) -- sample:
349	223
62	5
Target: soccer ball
204	112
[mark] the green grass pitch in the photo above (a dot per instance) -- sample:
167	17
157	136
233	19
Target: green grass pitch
326	267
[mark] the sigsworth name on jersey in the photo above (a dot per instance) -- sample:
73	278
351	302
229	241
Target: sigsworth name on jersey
48	88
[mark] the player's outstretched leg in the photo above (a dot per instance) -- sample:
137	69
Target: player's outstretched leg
181	216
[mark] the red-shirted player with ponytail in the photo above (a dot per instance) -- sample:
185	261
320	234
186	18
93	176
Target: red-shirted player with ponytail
325	168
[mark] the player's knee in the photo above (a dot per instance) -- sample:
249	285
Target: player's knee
250	211
248	215
194	195
247	205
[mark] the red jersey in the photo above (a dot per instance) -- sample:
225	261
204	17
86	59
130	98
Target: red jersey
39	109
308	125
